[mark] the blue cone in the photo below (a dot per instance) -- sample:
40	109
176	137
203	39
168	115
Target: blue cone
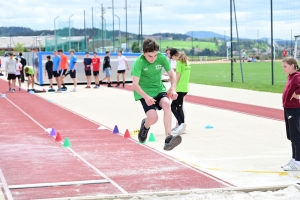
116	130
209	126
53	132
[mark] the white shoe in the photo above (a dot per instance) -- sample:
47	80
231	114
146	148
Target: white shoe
179	130
294	166
290	162
184	131
175	127
74	90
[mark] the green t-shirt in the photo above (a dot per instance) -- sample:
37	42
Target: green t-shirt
30	71
150	74
183	82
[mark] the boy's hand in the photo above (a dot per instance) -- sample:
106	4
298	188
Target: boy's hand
149	100
173	94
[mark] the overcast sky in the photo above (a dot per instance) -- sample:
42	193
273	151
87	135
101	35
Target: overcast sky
176	16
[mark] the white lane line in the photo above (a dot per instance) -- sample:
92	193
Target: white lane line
5	186
153	149
74	152
38	185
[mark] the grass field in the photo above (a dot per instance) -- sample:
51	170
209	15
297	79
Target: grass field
257	76
182	44
186	44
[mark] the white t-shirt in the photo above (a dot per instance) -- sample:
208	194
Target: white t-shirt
18	67
122	62
173	64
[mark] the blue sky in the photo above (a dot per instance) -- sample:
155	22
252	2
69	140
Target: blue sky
176	16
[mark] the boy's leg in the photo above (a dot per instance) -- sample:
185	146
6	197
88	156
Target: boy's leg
9	84
32	81
123	77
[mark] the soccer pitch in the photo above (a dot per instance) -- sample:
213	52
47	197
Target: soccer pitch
257	76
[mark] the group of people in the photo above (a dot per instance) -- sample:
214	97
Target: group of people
15	68
152	93
59	67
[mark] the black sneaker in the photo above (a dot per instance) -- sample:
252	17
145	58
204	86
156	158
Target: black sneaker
123	84
109	85
143	132
171	142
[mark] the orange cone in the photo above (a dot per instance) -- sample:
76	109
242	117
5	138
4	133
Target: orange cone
58	137
127	134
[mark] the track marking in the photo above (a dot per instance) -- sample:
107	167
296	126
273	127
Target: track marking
5	186
74	152
38	185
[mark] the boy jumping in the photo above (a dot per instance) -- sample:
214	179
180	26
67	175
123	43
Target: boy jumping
149	89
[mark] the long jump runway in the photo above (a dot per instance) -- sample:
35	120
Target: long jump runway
34	166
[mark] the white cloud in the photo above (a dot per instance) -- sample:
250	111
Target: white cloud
177	16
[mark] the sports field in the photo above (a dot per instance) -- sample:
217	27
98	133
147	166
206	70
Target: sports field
257	76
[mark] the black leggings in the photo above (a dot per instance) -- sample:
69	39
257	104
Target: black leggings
176	107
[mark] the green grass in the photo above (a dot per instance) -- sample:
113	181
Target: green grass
257	76
186	44
181	44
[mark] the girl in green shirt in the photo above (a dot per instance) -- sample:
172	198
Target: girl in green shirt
183	70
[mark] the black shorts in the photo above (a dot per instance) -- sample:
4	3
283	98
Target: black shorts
56	74
18	76
62	72
11	77
156	105
88	72
50	74
29	75
96	73
72	73
121	71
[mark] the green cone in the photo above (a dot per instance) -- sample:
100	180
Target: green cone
67	143
151	138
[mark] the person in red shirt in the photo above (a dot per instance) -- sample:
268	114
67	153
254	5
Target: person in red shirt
284	53
63	67
96	68
291	105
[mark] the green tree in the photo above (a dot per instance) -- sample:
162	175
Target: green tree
135	48
19	47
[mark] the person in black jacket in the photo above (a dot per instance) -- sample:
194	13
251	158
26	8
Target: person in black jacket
107	68
23	62
49	70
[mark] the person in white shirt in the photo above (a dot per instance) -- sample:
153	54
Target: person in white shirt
10	69
18	71
122	66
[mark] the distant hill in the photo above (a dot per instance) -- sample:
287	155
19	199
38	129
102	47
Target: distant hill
205	34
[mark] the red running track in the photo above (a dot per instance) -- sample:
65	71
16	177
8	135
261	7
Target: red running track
260	111
29	156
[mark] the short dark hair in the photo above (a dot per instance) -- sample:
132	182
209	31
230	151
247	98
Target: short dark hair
26	69
150	45
20	54
49	57
106	52
10	54
121	52
95	52
59	50
87	53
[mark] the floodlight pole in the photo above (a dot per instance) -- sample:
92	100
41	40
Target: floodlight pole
55	33
70	32
113	15
272	47
231	38
119	30
93	29
126	23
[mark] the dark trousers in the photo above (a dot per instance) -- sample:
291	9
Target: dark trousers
292	124
176	107
22	74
